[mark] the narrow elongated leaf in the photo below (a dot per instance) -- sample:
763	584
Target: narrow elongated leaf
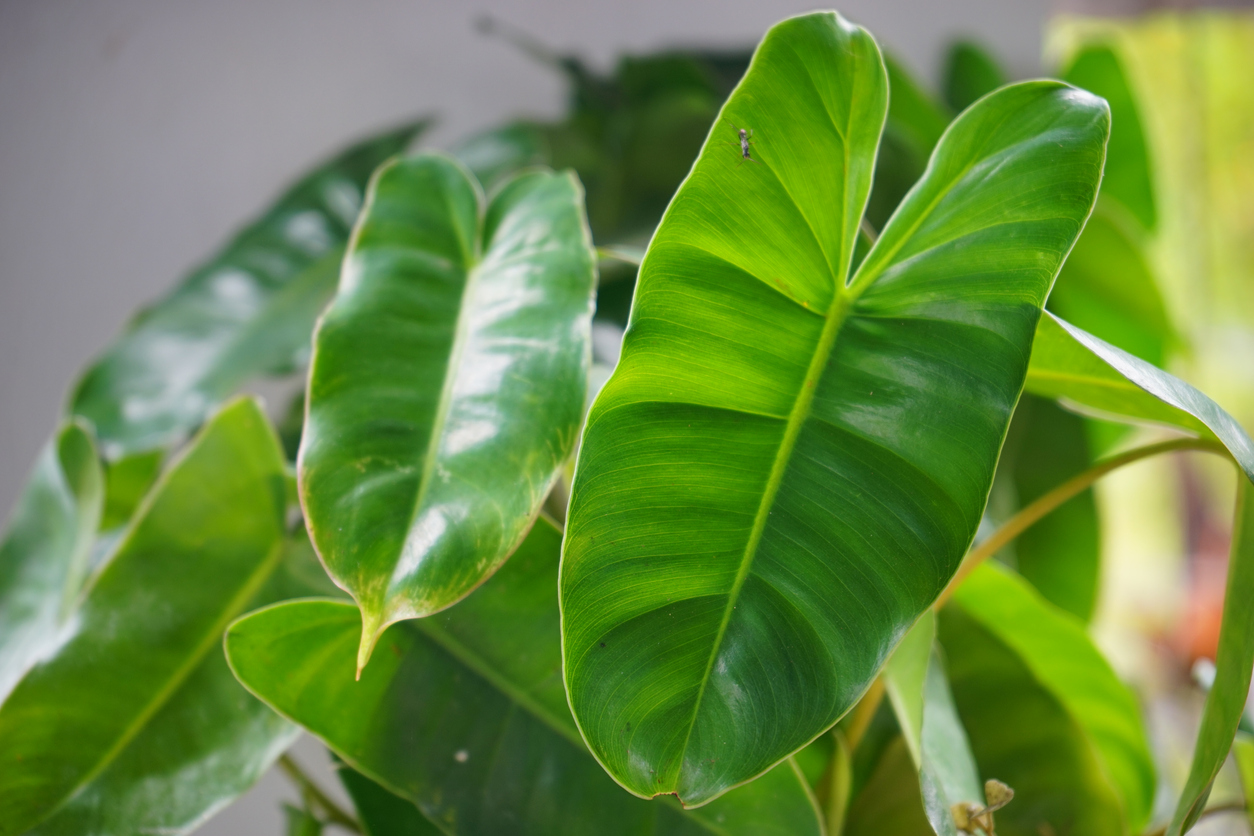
1083	370
915	680
463	713
785	468
1045	712
199	550
1243	754
447	383
207	744
1233	665
1129	177
248	311
46	549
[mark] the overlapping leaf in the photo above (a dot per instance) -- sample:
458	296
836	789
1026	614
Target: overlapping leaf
1044	712
786	468
447	383
200	549
463	713
248	311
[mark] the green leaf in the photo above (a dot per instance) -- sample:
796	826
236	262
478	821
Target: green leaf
1060	554
381	812
447	383
199	550
300	822
971	72
1108	288
781	475
1243	754
1094	376
499	153
1233	664
246	312
1129	176
916	685
46	549
1044	711
890	803
127	481
463	713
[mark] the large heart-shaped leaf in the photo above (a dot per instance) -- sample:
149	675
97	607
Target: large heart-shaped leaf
786	468
199	550
1089	374
1234	663
447	383
46	549
1045	712
463	713
248	311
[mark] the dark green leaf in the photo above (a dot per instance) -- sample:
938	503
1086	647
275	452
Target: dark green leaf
1233	664
1129	177
248	311
1081	370
447	383
971	72
463	713
381	812
46	549
1044	712
197	553
786	469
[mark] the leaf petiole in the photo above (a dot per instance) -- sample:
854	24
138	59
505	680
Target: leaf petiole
313	793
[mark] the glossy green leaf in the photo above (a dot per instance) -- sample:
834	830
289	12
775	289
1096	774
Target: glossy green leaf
447	383
248	311
381	812
1243	754
1234	662
1060	554
1107	287
210	742
916	684
199	550
1129	176
1090	374
971	72
785	469
46	549
463	713
1044	711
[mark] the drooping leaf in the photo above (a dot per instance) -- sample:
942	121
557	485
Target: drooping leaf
971	72
383	813
1092	375
248	311
1129	177
1044	712
1107	287
1233	664
463	713
46	548
447	383
199	550
785	469
1060	554
919	691
208	744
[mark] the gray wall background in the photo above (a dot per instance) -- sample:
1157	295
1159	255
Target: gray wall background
135	135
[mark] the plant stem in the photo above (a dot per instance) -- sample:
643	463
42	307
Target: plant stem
312	792
1031	514
862	714
1233	807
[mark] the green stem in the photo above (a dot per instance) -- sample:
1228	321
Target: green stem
312	792
1031	514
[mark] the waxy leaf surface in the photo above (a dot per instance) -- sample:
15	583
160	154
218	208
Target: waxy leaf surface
1044	711
1234	663
447	383
786	468
248	311
463	713
198	551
